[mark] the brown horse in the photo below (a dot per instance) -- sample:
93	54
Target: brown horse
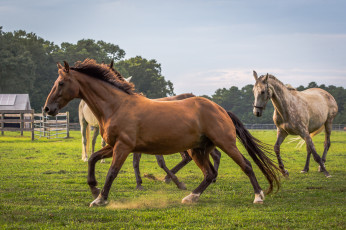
215	154
304	113
131	122
87	119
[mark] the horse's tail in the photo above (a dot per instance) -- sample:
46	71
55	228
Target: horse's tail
302	141
257	150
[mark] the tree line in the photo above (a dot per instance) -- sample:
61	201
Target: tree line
28	65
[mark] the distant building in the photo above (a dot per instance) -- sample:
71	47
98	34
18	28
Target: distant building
14	102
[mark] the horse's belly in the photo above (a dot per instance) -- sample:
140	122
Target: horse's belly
166	145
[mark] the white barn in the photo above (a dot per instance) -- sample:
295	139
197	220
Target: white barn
14	102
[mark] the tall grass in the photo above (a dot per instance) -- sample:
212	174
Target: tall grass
43	186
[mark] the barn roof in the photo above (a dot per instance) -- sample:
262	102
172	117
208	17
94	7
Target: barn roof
14	102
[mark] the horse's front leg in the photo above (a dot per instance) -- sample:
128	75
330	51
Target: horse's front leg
84	127
162	164
184	161
281	135
120	153
105	152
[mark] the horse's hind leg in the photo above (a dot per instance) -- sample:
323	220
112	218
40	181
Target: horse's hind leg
216	155
317	158
136	159
105	152
201	158
162	164
306	167
328	131
233	152
185	160
281	135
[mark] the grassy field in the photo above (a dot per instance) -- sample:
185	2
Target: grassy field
43	186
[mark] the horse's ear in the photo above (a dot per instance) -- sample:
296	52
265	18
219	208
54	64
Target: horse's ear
59	65
128	79
266	78
111	65
255	75
67	67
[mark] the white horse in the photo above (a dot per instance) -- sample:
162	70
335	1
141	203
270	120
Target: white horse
86	120
304	113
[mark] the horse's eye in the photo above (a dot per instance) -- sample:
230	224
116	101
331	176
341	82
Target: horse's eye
61	83
262	92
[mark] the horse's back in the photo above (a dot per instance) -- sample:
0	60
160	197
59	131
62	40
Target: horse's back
320	100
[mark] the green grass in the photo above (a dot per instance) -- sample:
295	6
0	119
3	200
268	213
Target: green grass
43	186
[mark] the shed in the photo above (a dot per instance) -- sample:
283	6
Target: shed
14	102
9	104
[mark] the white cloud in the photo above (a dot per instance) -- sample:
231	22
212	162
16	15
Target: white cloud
209	81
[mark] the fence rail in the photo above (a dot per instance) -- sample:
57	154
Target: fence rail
17	120
272	126
52	127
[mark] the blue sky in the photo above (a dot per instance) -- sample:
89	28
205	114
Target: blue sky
203	45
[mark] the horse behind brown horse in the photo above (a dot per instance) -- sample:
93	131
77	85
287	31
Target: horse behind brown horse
133	123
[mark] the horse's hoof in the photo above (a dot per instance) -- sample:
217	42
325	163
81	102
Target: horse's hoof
95	192
259	198
85	159
303	171
285	173
99	201
327	174
181	186
140	187
190	199
103	161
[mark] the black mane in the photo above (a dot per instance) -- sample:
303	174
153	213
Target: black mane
104	73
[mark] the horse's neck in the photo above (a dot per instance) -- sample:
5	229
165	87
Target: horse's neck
102	98
281	98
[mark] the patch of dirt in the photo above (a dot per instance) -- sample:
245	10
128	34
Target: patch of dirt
150	176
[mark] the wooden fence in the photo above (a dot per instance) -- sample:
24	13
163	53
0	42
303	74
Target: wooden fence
17	120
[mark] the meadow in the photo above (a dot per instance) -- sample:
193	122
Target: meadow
43	186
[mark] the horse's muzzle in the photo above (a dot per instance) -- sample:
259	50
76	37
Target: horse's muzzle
257	112
51	110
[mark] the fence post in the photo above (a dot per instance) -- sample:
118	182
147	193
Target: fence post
21	117
2	123
32	125
67	124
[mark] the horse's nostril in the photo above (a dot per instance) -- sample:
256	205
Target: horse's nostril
46	109
257	114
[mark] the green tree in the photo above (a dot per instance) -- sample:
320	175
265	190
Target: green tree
147	77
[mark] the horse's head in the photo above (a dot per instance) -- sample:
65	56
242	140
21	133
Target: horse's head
261	93
64	90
